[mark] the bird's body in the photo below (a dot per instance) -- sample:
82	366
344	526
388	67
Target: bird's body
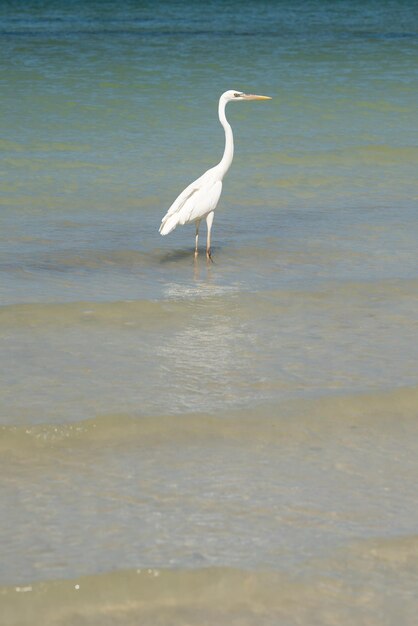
199	200
195	202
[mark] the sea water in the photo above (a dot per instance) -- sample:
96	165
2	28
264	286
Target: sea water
187	442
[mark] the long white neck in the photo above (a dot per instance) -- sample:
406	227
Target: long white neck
228	155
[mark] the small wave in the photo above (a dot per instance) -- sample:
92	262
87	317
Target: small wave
268	423
148	596
83	261
183	300
142	313
356	591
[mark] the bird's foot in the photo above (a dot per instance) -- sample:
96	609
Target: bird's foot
209	255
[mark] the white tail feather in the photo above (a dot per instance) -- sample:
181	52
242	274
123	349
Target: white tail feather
169	224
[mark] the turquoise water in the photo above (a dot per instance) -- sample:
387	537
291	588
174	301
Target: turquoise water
244	425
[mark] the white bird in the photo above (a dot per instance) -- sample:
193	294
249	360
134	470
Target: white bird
200	198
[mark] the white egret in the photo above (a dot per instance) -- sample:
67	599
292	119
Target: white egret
200	198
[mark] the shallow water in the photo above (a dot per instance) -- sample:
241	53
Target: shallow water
232	443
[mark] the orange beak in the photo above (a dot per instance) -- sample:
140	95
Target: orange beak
251	96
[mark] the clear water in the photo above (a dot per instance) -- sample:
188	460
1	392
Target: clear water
244	425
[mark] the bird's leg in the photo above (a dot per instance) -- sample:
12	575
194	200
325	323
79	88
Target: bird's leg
209	222
196	251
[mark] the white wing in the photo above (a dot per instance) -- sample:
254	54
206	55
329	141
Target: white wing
201	203
196	201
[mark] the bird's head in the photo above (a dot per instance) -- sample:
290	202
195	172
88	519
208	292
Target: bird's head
235	96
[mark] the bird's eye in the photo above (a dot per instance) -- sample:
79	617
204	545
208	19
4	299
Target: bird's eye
237	95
